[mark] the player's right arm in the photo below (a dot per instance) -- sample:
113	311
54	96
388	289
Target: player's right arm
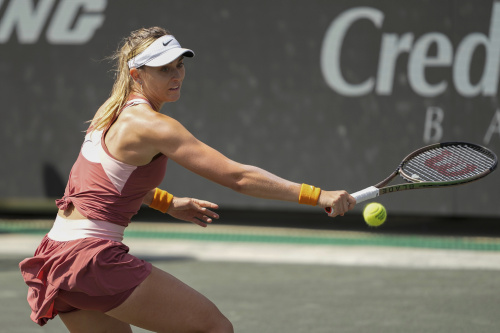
172	139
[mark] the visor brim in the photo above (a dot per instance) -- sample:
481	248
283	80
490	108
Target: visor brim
169	56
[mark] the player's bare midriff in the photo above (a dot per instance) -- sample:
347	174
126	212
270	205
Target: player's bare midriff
71	213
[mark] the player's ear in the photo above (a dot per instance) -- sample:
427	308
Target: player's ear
136	76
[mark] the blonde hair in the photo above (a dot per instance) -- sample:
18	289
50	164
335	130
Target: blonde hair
131	46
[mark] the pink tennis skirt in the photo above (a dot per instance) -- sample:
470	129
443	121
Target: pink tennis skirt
88	274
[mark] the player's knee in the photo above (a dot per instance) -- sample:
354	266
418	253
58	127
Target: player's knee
225	326
221	325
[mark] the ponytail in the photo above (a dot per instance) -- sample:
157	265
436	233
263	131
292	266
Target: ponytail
131	46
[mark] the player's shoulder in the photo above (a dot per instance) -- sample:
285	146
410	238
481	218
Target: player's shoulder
142	119
138	114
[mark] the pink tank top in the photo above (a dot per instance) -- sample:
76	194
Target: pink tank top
103	188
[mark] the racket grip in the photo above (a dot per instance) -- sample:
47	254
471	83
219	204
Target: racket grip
360	196
366	194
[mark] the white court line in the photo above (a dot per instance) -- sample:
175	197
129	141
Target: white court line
366	256
319	254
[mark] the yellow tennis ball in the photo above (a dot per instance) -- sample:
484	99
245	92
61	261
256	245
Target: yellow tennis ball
374	214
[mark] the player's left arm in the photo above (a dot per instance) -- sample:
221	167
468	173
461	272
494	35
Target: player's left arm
148	198
186	209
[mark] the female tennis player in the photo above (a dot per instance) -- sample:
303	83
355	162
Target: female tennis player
82	270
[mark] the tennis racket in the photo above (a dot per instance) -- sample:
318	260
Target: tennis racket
438	165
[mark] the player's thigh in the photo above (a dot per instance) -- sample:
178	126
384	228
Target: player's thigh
89	321
162	303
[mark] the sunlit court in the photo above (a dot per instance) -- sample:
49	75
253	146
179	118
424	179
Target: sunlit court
296	279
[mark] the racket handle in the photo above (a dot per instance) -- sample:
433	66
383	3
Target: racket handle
360	196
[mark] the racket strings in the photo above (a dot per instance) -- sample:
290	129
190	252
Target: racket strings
450	163
474	156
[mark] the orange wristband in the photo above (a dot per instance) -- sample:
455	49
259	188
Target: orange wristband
161	200
309	195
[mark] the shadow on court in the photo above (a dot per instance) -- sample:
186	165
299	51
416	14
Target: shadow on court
313	298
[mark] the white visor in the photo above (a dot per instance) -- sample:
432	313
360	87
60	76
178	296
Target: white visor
163	51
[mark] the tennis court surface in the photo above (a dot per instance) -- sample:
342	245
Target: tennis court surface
294	280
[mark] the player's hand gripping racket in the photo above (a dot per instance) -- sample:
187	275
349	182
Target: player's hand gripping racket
437	165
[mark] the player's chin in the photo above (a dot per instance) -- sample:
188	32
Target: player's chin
172	99
173	95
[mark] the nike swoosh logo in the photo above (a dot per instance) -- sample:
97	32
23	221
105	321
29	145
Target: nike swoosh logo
165	44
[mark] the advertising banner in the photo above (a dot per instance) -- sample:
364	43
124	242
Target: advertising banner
329	93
